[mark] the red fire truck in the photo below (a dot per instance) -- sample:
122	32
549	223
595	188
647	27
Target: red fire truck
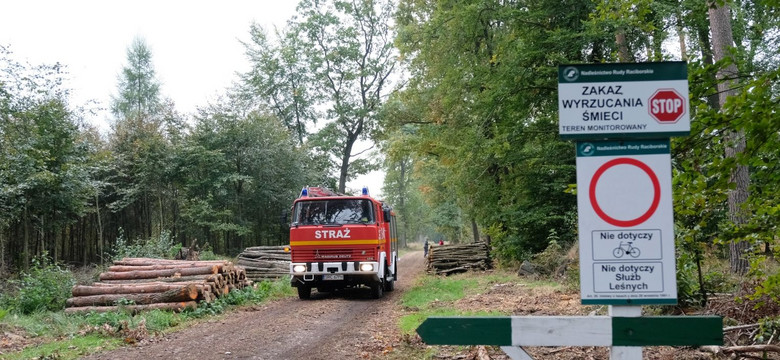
340	241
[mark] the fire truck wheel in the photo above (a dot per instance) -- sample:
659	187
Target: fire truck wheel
389	285
304	292
376	289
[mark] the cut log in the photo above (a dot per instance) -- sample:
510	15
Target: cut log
147	261
178	306
449	259
265	248
146	281
259	255
209	278
83	290
124	268
183	294
151	274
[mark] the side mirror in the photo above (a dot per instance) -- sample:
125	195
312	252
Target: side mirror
386	214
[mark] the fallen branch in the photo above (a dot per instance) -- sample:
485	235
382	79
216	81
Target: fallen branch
739	327
740	349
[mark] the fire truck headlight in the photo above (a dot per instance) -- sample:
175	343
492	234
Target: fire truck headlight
366	267
299	268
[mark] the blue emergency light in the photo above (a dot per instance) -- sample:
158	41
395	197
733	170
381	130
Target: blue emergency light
304	192
365	191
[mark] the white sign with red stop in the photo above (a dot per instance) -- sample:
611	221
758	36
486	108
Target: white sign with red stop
647	100
667	106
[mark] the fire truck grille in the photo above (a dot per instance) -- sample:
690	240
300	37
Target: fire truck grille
331	255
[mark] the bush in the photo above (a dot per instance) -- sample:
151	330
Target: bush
552	259
161	247
249	295
208	254
45	287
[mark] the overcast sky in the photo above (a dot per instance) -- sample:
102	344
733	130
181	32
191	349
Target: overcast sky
195	44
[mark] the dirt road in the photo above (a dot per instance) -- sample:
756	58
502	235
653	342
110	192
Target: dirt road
330	326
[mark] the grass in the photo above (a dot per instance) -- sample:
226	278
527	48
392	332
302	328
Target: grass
60	336
435	296
72	347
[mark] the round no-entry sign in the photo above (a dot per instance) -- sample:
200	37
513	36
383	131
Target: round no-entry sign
666	106
656	189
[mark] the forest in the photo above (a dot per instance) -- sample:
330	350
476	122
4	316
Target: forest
458	100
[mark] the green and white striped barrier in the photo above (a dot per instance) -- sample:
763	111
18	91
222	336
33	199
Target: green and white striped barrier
518	331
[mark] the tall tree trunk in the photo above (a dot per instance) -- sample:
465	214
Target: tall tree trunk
160	202
148	215
657	36
681	37
722	41
2	250
622	43
351	138
402	199
475	229
99	228
83	241
26	246
703	33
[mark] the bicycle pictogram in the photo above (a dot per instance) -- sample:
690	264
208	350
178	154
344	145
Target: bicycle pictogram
625	248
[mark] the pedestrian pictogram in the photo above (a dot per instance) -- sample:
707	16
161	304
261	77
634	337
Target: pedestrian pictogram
666	106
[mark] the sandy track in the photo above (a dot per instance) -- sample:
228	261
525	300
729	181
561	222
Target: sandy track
330	326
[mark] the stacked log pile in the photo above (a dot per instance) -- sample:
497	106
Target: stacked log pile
451	259
265	262
138	284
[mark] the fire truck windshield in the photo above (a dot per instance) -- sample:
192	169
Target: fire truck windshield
333	211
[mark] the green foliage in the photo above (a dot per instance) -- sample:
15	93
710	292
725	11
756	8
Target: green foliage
550	261
688	287
207	253
110	318
336	55
45	287
159	320
768	328
768	288
485	145
161	247
139	90
249	295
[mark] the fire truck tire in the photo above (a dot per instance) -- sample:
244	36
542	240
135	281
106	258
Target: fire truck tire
389	285
304	292
377	289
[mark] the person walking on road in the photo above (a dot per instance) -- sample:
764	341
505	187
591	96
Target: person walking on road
425	248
